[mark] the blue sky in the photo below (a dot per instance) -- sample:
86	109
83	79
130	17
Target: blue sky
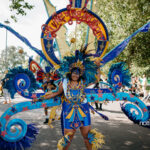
28	26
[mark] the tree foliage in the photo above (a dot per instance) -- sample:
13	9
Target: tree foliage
14	58
122	18
20	7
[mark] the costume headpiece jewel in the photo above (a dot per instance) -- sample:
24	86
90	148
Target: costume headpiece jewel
79	65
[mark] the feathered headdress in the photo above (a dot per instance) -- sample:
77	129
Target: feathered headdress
81	61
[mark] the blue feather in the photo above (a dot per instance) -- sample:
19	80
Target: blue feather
24	143
118	73
133	118
10	80
89	66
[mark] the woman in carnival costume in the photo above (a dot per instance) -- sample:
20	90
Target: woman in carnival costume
79	72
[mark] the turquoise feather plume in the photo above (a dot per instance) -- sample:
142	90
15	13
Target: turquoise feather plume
119	75
11	80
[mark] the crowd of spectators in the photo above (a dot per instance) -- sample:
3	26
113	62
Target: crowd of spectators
139	88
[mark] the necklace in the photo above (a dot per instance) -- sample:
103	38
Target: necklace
74	85
75	92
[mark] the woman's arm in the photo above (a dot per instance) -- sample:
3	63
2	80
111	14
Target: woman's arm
49	95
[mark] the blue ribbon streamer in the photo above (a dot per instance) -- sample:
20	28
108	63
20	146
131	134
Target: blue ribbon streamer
102	115
24	40
120	47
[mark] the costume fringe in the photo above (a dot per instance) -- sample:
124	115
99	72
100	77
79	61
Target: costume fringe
64	141
96	139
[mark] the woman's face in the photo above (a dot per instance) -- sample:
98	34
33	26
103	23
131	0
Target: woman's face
75	76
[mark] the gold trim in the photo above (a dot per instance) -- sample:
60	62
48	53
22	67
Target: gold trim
104	50
56	66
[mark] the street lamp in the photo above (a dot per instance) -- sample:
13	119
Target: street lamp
7	22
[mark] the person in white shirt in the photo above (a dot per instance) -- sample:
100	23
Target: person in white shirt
144	84
5	93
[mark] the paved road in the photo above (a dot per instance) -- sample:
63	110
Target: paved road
120	133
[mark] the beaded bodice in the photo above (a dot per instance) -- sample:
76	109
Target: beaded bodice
75	94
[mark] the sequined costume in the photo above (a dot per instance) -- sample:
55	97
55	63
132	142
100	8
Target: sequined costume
75	107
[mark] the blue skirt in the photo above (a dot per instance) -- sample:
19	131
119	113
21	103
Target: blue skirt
75	115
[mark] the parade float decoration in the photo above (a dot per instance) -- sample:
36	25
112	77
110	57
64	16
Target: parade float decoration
23	82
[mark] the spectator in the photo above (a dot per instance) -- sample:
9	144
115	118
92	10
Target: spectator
50	86
5	92
1	90
99	86
144	84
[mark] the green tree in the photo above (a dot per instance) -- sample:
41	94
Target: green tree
15	57
20	7
122	18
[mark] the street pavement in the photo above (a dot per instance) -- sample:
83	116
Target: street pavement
120	133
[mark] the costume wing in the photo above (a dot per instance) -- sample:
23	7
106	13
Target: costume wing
23	82
119	76
24	135
141	112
